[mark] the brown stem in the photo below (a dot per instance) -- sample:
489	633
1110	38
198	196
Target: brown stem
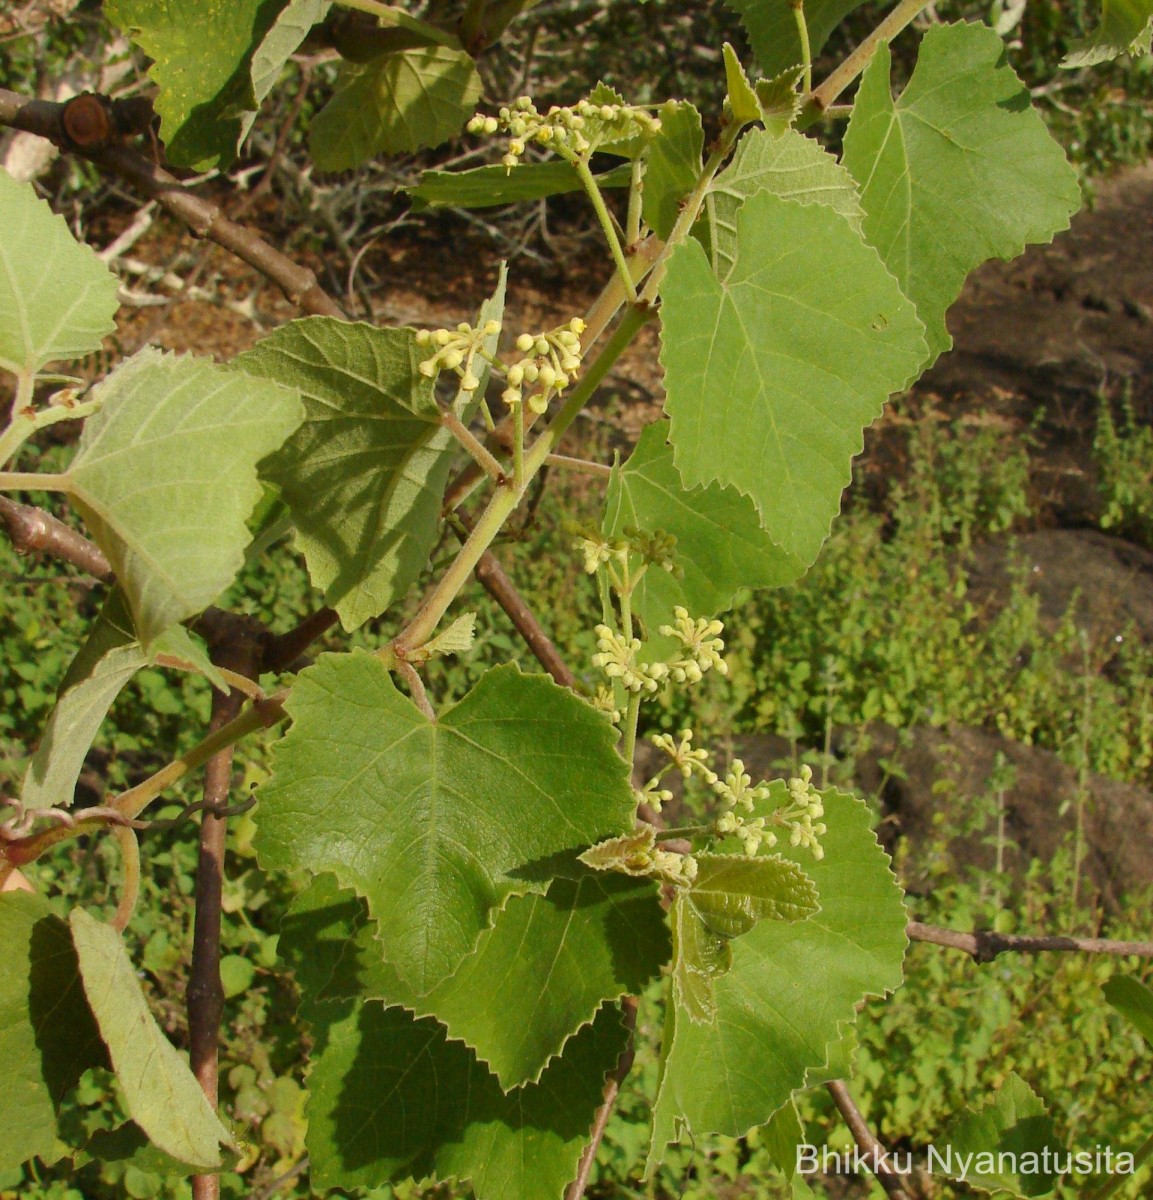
876	1155
983	945
205	219
612	1091
282	652
496	582
32	529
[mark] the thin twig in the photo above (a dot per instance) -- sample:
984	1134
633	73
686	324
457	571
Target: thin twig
612	1090
282	651
579	464
205	219
412	678
983	945
876	1155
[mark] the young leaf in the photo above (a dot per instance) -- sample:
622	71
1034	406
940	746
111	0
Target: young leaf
47	1035
390	1097
791	166
201	52
1004	1144
162	1094
780	101
1125	29
729	896
109	658
57	299
673	164
394	104
165	478
742	98
487	187
1134	1001
700	958
720	546
790	989
436	823
959	170
772	28
731	893
364	475
773	374
280	43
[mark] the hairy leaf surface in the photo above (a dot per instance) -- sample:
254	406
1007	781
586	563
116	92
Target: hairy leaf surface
487	187
1014	1123
960	169
437	823
395	104
791	166
147	478
1124	28
364	475
202	52
47	1035
772	27
720	546
790	989
57	299
773	374
162	1094
391	1095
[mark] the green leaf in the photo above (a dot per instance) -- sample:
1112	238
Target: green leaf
720	547
161	1093
731	893
202	53
436	823
773	374
772	28
700	958
554	959
742	99
394	105
791	166
1134	1001
57	299
390	1098
781	1137
486	187
1125	29
1005	1144
150	475
673	165
780	101
109	658
729	896
47	1036
364	475
790	989
959	170
280	43
391	1095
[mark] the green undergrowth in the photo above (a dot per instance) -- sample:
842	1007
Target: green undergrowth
888	626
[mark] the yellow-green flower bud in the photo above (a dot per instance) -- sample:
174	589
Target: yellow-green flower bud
525	342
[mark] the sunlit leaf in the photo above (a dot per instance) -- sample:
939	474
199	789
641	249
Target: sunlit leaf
57	299
1124	29
960	169
772	27
148	478
773	374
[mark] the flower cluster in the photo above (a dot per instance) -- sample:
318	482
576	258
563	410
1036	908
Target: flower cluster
678	869
571	132
456	350
652	794
604	701
550	363
683	756
597	550
799	817
701	644
617	657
